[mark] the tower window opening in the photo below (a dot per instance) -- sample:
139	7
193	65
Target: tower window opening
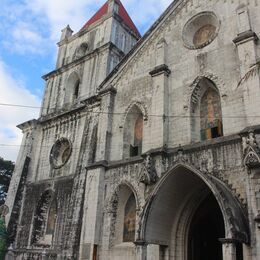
76	90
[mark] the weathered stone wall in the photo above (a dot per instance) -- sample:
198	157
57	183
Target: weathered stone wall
222	158
160	78
79	128
219	62
69	195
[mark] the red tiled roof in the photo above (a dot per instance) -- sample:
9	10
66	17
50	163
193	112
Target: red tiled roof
122	13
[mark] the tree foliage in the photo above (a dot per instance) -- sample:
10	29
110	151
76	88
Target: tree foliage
6	171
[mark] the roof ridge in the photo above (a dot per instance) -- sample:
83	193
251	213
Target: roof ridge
122	13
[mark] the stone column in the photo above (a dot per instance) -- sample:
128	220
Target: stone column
229	248
141	251
92	212
153	252
105	124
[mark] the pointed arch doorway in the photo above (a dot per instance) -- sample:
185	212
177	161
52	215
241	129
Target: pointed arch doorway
206	227
187	216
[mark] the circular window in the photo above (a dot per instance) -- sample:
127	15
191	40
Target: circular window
60	153
200	30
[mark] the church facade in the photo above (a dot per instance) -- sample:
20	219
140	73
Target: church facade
146	148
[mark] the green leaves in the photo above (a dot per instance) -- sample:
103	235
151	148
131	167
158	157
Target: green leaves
6	171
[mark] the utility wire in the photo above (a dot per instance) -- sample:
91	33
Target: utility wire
150	115
16	105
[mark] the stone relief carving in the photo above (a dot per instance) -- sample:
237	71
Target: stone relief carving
148	175
251	151
181	158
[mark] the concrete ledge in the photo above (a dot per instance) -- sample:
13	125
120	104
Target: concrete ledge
245	36
162	69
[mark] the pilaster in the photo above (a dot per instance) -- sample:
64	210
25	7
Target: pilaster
105	124
159	108
228	249
246	48
92	213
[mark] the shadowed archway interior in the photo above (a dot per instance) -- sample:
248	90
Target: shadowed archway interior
206	227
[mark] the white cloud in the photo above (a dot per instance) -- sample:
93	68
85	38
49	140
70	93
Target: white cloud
33	27
59	13
25	39
13	92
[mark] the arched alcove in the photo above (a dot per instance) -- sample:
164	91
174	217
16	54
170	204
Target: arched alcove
206	112
121	215
181	202
133	132
41	218
125	222
72	88
129	219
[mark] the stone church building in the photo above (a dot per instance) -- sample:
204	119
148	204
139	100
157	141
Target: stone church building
146	148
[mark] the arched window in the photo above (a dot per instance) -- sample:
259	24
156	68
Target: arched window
206	113
72	88
133	133
129	220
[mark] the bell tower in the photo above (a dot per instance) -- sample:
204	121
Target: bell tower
88	56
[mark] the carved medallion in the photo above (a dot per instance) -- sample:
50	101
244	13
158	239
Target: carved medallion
60	153
200	30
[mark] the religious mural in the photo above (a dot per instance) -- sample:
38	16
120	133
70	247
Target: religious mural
51	219
129	220
204	34
210	115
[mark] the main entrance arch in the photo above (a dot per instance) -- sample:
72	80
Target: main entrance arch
190	214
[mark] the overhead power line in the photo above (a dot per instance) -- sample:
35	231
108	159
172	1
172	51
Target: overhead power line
149	115
16	105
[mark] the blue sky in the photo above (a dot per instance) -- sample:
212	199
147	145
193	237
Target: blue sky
29	31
